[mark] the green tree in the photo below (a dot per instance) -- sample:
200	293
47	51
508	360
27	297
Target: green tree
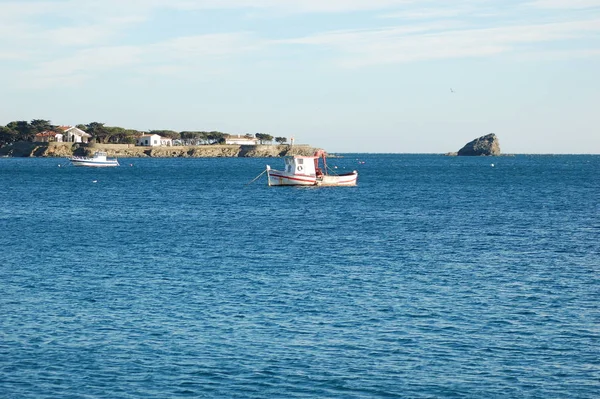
192	138
216	137
100	133
166	133
41	125
7	136
22	130
281	140
128	140
264	138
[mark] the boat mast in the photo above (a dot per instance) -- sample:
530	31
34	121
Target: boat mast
321	154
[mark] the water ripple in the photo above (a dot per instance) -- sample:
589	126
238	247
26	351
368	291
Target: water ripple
448	280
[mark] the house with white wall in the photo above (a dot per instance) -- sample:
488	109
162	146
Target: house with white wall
153	140
240	140
48	136
71	134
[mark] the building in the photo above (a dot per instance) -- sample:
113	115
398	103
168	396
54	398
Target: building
153	140
48	136
241	140
71	134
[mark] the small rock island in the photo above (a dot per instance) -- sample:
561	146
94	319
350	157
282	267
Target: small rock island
487	145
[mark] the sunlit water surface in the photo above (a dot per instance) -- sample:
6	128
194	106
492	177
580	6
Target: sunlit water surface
435	277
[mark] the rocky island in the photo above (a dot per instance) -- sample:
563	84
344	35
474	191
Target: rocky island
487	145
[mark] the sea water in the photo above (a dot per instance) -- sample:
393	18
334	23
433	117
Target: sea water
435	277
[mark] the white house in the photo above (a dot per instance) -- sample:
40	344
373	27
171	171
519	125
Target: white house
72	134
48	136
153	140
241	140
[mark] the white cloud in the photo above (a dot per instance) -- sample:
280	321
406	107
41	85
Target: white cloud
169	57
12	9
421	42
203	46
90	36
305	6
77	68
426	13
576	4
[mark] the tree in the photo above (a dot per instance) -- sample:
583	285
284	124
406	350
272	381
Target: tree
98	131
166	133
128	140
41	125
216	137
7	136
22	130
264	138
280	140
191	138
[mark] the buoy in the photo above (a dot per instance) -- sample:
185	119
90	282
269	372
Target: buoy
492	165
94	181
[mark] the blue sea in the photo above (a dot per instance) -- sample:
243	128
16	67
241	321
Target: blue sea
435	277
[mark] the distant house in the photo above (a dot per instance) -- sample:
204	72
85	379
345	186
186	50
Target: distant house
153	140
72	134
48	136
241	140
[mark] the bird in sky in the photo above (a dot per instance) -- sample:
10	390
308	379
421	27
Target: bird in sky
451	90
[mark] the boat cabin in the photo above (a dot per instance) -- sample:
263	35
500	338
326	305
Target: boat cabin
300	165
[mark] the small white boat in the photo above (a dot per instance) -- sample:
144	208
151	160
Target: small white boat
99	160
307	171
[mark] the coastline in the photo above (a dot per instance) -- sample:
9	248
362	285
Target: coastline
61	150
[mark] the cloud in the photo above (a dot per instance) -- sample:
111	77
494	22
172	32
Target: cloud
426	13
571	4
14	9
438	41
77	68
75	40
206	46
295	6
169	57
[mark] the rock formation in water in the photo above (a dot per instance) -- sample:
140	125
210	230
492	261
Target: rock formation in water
485	145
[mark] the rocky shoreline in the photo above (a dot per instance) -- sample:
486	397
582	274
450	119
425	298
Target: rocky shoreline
62	150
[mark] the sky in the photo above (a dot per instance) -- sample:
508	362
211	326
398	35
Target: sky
377	76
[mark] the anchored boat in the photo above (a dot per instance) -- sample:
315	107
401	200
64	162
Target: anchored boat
309	171
99	160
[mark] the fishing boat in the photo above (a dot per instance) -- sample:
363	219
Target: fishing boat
309	171
99	160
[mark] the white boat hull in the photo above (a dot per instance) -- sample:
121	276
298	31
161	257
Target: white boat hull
94	164
99	160
348	179
281	178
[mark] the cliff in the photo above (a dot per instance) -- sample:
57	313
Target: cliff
27	149
485	145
